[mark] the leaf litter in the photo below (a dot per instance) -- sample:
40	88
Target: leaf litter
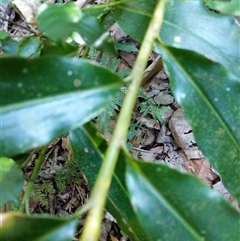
168	140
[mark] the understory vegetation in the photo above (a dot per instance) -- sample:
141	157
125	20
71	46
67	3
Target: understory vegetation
73	101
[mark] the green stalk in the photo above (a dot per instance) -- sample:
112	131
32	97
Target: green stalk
98	197
29	187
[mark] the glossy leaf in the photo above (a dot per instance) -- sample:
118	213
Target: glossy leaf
228	6
11	181
212	35
94	34
29	47
46	97
9	46
209	96
16	226
187	25
89	160
58	22
52	48
176	206
134	16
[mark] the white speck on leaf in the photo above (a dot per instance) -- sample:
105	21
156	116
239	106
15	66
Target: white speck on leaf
86	149
177	39
216	99
77	82
183	95
19	85
69	73
228	89
25	71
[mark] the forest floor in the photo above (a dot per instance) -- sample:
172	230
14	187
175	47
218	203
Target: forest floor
61	187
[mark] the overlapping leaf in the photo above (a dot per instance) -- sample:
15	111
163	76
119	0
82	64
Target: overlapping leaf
94	34
46	97
209	96
187	25
16	226
89	160
58	22
175	206
11	181
227	6
67	21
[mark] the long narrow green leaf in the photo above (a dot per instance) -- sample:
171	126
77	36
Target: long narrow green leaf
175	206
187	25
210	98
89	160
16	226
46	97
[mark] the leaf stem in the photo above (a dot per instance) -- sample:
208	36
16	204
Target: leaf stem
98	197
29	187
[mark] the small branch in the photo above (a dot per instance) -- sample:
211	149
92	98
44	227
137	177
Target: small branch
29	187
17	24
98	197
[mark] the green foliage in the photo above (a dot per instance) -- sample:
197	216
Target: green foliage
45	94
103	120
11	181
43	192
68	174
149	107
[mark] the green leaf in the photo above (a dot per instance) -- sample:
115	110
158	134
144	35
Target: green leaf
53	48
11	181
46	97
58	21
228	6
94	35
16	226
9	46
29	47
3	34
191	25
89	160
134	16
209	97
128	47
176	206
187	25
102	14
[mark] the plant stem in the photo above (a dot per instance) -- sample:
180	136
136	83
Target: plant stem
98	197
85	52
17	24
29	187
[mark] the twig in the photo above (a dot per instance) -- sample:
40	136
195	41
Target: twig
17	24
29	187
98	197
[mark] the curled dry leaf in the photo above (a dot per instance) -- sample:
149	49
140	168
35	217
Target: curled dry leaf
28	8
201	168
183	135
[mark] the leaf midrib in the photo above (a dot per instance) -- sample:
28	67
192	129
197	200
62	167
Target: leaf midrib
206	99
168	204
